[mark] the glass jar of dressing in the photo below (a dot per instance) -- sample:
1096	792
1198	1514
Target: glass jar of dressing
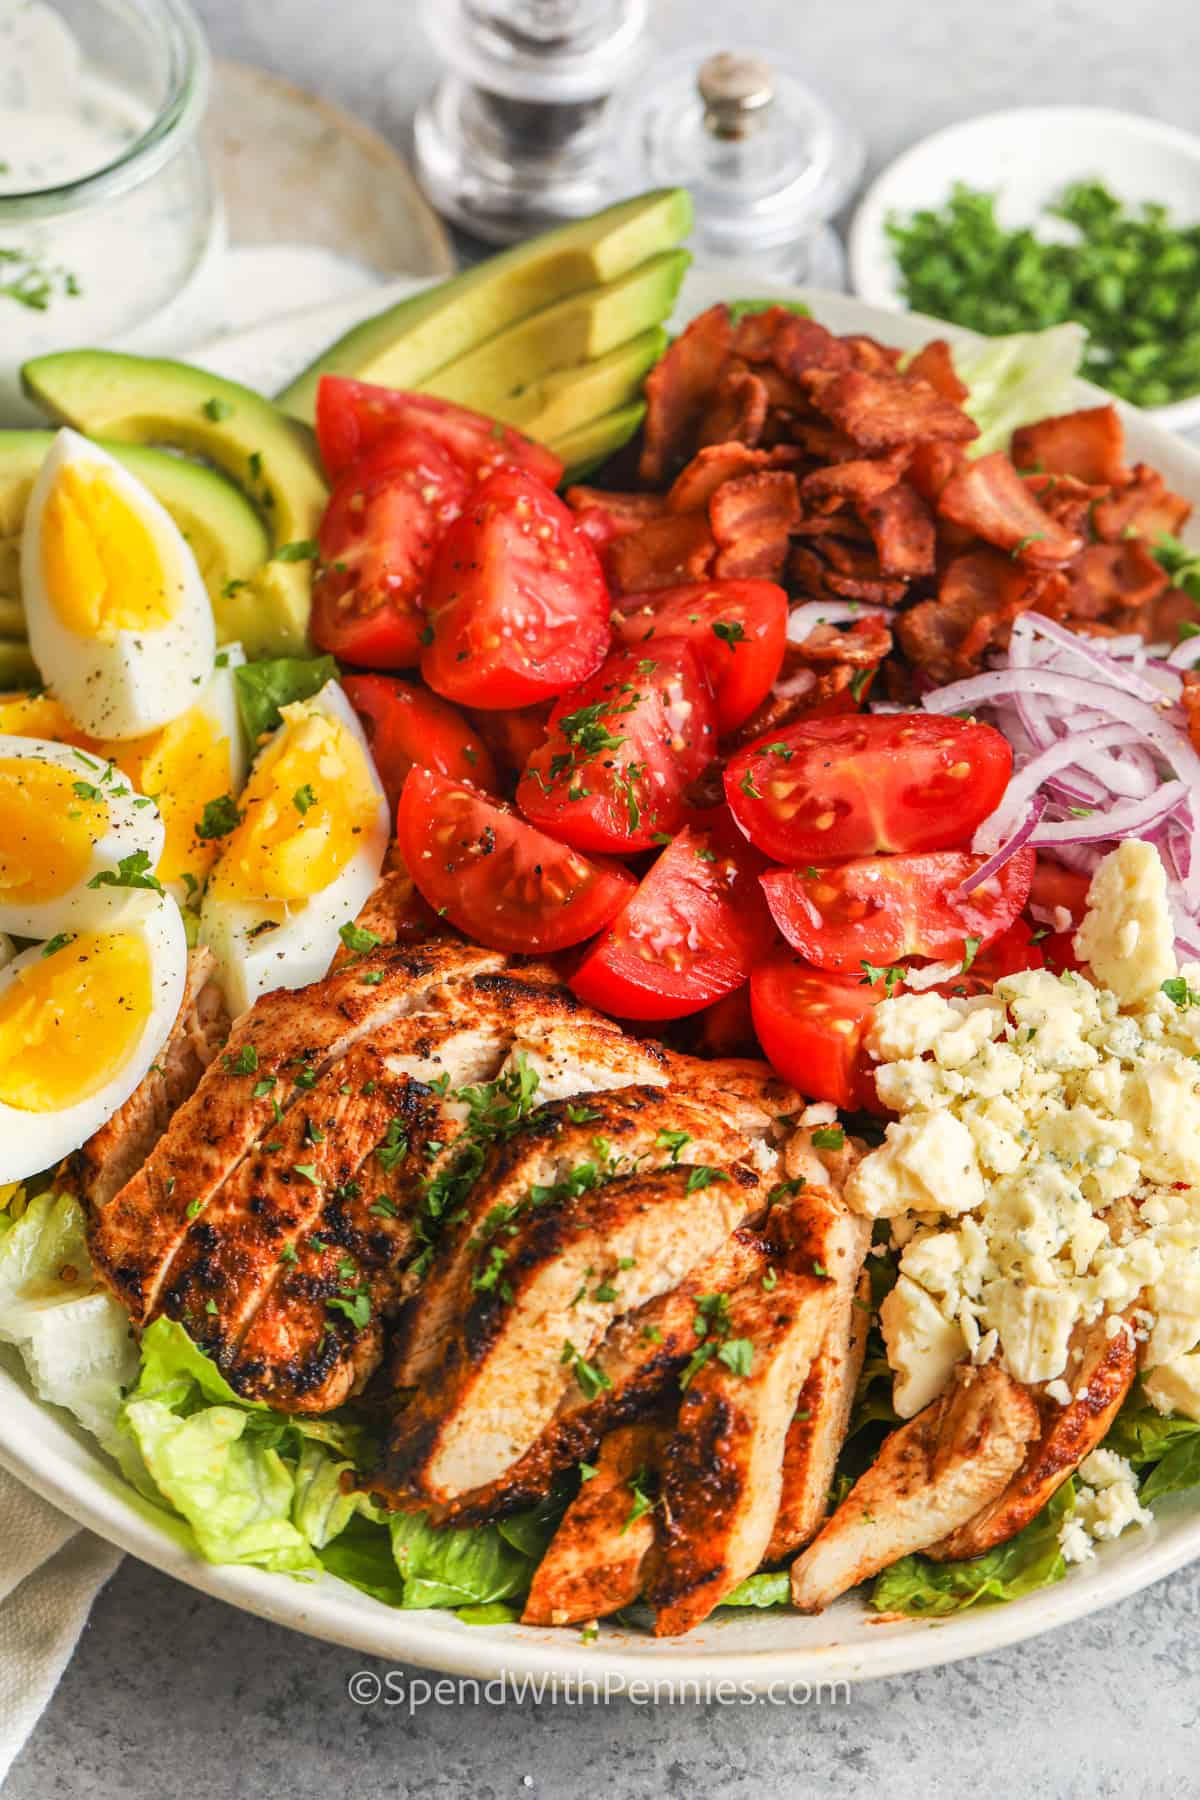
109	219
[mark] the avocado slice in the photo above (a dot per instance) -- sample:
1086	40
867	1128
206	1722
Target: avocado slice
557	404
228	539
587	446
150	400
408	343
577	330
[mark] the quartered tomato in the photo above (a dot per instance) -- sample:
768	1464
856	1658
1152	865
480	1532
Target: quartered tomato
1014	950
811	1026
352	416
823	789
689	935
738	629
513	736
406	725
381	527
518	607
498	879
622	751
1056	889
879	909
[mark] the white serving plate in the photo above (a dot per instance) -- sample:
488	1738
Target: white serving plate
1027	156
41	1447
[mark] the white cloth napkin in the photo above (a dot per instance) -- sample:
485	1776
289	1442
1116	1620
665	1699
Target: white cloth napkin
50	1572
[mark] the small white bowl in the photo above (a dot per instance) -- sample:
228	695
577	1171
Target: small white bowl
1026	157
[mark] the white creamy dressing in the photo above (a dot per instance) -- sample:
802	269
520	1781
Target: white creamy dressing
87	276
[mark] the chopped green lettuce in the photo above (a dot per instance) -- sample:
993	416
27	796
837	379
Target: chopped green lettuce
1180	560
1015	380
266	686
744	309
1029	1561
1169	1447
773	1588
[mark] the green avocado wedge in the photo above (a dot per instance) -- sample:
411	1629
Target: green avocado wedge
587	446
227	537
574	331
548	409
148	400
406	345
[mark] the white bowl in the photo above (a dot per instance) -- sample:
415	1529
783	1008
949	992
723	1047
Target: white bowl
1027	156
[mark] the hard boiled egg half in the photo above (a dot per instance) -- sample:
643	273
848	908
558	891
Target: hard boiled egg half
119	619
82	1018
302	854
196	759
74	838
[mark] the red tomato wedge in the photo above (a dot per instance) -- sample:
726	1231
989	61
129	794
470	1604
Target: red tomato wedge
406	725
689	935
380	530
1057	889
879	909
518	607
824	789
622	751
512	737
499	880
352	416
811	1025
738	629
1014	950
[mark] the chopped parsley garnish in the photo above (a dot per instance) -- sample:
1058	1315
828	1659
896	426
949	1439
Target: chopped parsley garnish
701	1176
383	1208
358	938
1179	993
828	1137
356	1307
289	1254
673	1141
216	409
592	1380
244	1063
587	1471
263	1088
304	799
308	1171
303	550
394	1147
642	1502
730	631
582	1114
130	872
737	1354
58	942
219	818
890	977
748	788
785	1190
770	1282
971	947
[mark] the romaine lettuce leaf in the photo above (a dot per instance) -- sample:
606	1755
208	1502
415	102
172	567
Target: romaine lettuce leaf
770	1589
1168	1446
1015	380
468	1567
744	309
1029	1561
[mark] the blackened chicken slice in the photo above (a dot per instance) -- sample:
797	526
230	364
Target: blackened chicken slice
722	1465
1101	1375
535	1317
562	1145
275	1054
596	1560
117	1151
932	1475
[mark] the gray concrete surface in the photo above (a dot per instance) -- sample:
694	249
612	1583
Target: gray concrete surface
174	1695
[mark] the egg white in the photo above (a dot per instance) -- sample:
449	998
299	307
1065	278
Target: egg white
133	824
33	1141
264	944
142	678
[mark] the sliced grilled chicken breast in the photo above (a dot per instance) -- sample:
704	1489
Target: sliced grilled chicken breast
539	1165
542	1301
723	1464
596	1558
818	1428
1102	1376
275	1053
117	1151
637	1366
930	1477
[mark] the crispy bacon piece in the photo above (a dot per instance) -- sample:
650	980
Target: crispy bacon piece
1105	581
817	675
739	410
930	467
752	517
979	596
603	517
1088	444
868	354
708	470
848	483
1067	500
790	343
1144	504
679	391
902	529
989	498
935	364
678	547
881	411
844	570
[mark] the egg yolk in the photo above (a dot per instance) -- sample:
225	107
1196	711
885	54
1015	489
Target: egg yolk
100	561
40	716
48	826
70	1021
309	799
185	765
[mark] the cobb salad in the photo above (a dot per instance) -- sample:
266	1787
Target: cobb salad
641	1058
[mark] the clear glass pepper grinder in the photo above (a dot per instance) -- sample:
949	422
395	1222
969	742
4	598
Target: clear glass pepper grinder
516	136
768	161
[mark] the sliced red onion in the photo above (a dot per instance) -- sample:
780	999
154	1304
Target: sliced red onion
804	620
1185	655
999	857
1026	783
1082	649
1129	820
